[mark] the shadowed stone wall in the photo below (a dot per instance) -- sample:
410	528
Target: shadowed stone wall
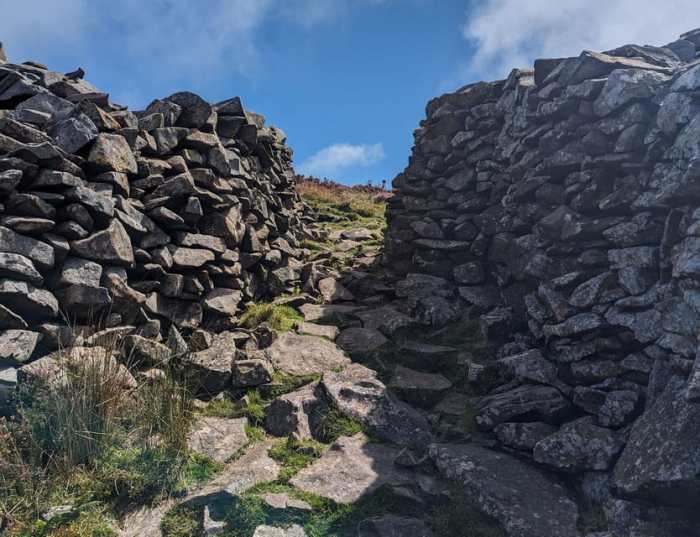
562	205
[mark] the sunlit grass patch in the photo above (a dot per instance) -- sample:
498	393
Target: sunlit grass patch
280	318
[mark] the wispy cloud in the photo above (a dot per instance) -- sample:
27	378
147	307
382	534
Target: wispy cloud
182	38
337	157
512	33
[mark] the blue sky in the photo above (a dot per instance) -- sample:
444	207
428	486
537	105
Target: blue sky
347	80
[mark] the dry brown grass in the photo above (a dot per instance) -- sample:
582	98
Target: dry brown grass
365	201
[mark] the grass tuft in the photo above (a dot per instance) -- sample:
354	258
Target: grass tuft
332	424
295	455
280	318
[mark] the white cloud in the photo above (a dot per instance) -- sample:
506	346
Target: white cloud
185	39
512	33
336	157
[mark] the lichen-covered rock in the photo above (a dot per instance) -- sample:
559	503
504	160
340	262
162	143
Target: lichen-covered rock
524	500
218	438
660	462
359	394
580	446
297	354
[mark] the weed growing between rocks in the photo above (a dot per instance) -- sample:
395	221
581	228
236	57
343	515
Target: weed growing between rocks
332	424
295	455
279	318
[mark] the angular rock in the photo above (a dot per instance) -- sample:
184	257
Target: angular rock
359	394
111	246
218	438
39	252
212	367
111	152
18	267
250	373
358	342
294	414
421	389
296	354
580	446
525	501
17	346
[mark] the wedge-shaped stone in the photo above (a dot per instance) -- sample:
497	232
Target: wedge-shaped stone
28	301
39	252
19	267
112	246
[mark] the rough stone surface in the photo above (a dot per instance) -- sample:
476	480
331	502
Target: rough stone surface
358	393
218	438
296	354
351	469
522	498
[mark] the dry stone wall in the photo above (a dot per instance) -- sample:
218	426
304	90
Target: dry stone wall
174	215
562	205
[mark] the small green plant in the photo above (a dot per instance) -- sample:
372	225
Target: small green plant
283	383
294	455
333	423
254	434
280	318
183	521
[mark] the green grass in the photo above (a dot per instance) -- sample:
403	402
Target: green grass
295	455
255	434
280	318
283	383
332	424
253	408
183	521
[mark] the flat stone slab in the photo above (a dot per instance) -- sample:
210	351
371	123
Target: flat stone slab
525	501
282	500
218	438
270	531
255	466
316	312
320	330
296	354
352	468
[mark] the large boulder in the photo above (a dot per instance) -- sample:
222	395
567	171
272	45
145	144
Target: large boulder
661	461
295	354
359	394
523	499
